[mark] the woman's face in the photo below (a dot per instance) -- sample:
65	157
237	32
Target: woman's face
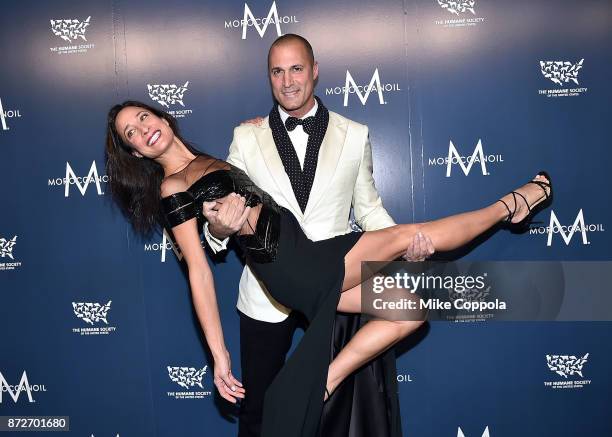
147	134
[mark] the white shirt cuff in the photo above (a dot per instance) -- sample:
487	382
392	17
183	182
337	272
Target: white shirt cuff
215	244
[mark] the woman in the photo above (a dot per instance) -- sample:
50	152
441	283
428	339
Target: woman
147	161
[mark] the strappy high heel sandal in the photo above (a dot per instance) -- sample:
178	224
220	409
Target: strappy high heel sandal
523	225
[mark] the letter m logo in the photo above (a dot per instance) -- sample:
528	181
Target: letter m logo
248	16
363	98
578	225
72	177
165	241
23	385
2	119
454	157
485	433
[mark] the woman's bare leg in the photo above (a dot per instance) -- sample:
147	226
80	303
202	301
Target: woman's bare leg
446	234
369	341
387	244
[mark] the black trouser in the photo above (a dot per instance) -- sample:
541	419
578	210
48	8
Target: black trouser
263	348
360	407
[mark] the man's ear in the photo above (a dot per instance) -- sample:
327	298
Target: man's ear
137	154
315	70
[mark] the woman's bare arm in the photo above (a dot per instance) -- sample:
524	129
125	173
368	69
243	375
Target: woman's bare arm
205	301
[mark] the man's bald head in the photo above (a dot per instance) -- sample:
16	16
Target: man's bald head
293	38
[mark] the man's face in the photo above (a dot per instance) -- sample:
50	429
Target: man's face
292	77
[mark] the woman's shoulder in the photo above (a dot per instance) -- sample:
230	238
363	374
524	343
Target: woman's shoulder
173	184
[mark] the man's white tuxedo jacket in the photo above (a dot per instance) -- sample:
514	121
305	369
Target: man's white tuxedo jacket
343	178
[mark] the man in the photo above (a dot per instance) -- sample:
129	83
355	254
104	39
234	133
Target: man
316	164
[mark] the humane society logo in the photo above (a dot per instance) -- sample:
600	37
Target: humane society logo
7	258
562	73
170	94
188	378
567	366
464	12
71	31
93	313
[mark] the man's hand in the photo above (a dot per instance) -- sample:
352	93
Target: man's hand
257	121
226	216
420	248
229	387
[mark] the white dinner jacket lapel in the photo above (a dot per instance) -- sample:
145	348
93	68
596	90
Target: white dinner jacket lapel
329	157
275	166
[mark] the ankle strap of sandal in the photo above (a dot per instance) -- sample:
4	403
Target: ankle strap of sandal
511	213
543	185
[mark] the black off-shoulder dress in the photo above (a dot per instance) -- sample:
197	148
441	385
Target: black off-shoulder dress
301	274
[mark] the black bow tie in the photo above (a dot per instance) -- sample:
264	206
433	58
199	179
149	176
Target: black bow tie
307	123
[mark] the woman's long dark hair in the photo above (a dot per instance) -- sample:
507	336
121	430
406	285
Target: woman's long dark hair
135	182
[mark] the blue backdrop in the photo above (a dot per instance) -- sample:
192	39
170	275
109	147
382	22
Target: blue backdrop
100	323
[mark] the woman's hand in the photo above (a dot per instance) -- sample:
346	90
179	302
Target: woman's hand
226	216
257	121
229	387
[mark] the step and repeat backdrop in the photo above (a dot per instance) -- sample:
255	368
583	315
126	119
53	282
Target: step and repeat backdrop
464	100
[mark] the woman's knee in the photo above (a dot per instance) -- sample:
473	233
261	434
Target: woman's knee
406	327
350	301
